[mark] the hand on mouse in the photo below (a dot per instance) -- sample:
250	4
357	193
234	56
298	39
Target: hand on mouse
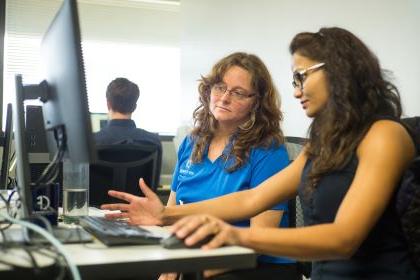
197	227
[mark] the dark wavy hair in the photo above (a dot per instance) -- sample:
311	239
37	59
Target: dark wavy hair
359	93
122	95
264	132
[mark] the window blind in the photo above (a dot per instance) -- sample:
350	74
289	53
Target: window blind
135	39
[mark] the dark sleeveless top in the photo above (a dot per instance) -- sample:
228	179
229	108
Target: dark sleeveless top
383	255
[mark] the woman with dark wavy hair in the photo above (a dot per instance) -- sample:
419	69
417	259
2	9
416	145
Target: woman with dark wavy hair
346	176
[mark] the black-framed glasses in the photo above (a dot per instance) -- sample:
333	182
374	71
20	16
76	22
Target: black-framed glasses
300	76
220	89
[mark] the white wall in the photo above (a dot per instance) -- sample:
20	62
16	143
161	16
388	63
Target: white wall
214	28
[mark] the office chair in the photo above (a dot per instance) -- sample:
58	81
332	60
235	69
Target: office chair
294	146
119	167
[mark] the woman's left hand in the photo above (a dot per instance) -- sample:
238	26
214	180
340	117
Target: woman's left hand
197	227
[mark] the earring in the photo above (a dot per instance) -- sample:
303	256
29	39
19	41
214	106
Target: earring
249	123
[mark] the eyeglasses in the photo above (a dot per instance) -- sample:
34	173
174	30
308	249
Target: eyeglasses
299	77
236	94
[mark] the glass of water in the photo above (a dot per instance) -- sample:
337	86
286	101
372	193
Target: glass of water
75	191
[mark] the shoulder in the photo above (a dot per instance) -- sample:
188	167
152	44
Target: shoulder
149	135
101	137
274	152
273	148
387	137
186	145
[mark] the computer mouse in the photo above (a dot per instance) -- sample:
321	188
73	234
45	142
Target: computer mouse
173	242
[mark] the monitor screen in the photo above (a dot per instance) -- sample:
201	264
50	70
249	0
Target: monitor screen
64	97
98	121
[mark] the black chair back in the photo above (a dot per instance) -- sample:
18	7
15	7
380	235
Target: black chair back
294	146
119	167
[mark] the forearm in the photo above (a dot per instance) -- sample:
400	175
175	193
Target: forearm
225	208
239	205
319	242
245	204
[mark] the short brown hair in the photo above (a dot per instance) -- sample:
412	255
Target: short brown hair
122	95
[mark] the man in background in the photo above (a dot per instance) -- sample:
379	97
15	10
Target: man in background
122	96
120	131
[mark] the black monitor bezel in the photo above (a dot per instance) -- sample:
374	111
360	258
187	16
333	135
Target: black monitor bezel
5	164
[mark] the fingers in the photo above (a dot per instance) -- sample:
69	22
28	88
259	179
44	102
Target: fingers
145	189
122	195
116	206
168	276
218	241
187	225
196	228
114	216
206	231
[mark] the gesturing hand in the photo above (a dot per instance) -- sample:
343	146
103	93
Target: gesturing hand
197	227
168	276
145	210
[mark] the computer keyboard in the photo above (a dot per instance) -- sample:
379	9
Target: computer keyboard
113	232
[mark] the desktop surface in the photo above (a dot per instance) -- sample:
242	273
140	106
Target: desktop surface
93	259
137	261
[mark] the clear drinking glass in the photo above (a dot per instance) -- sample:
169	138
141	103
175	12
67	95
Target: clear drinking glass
75	190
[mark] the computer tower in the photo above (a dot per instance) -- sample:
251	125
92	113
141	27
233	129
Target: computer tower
36	139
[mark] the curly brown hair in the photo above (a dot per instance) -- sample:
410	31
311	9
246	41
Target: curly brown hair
359	94
264	132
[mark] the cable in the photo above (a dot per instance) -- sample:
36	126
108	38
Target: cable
72	267
59	260
51	167
51	171
33	260
8	211
41	249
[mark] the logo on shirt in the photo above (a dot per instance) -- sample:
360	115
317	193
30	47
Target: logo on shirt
188	164
186	171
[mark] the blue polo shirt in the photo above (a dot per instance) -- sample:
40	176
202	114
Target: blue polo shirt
193	182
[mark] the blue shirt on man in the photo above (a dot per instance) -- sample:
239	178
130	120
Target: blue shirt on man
193	182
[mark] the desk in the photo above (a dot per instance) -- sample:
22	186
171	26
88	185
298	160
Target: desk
96	261
132	261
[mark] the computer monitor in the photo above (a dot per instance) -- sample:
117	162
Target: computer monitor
98	121
67	104
64	97
7	140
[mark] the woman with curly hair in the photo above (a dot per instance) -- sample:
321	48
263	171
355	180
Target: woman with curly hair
346	176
